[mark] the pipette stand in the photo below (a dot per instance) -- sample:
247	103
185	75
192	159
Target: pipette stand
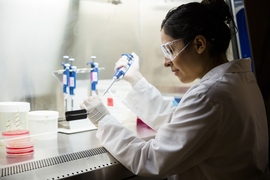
82	91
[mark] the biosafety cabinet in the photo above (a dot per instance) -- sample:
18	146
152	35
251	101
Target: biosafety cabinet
36	37
37	34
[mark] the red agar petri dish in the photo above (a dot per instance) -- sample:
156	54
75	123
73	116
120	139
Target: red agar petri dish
15	133
18	143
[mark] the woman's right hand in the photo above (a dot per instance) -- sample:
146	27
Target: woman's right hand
133	75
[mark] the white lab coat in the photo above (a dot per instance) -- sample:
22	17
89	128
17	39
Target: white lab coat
217	132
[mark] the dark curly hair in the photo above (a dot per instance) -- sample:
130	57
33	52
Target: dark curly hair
210	18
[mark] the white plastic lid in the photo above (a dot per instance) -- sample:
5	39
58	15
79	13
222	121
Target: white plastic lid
43	114
14	106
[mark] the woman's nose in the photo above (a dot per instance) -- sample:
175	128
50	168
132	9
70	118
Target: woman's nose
167	62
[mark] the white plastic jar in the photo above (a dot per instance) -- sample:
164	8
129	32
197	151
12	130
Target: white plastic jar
43	124
13	116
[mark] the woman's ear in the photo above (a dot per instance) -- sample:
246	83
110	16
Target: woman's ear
200	43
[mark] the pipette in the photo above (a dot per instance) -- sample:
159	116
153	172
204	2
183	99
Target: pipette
65	79
66	83
66	58
72	81
72	84
93	76
120	73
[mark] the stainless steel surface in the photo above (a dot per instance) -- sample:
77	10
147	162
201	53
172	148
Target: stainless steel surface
91	163
69	156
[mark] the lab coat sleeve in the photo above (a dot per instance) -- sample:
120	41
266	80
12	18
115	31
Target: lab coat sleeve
147	103
183	143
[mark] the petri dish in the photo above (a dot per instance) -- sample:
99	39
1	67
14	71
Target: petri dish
18	143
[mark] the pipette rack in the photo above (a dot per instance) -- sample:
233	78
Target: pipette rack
82	91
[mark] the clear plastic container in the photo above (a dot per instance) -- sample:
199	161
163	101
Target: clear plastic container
43	124
13	115
18	143
113	99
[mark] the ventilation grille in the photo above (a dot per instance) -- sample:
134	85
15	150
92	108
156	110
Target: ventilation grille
8	171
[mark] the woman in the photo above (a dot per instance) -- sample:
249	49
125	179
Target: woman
218	130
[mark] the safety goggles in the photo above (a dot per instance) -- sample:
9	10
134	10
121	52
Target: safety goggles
169	51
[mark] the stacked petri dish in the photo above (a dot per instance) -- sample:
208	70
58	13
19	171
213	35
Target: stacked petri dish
18	143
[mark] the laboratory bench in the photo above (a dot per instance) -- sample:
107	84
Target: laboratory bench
70	156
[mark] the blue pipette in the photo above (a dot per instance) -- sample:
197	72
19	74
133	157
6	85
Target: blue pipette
72	84
93	76
120	73
66	83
